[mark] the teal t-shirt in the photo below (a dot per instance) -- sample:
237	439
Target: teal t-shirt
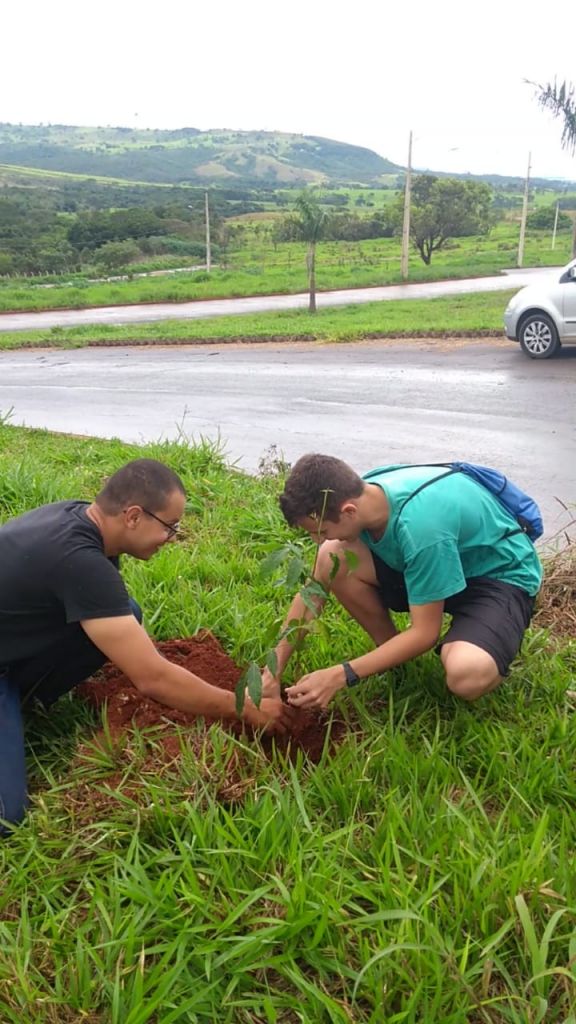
450	532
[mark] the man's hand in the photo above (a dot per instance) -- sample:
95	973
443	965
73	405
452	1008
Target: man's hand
272	715
270	684
125	643
316	689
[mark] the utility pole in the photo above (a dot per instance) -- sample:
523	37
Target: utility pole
207	218
406	221
555	226
524	216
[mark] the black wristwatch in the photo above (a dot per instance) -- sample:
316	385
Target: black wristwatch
352	677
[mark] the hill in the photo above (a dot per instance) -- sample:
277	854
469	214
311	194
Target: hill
188	156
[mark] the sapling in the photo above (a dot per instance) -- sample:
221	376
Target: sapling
313	594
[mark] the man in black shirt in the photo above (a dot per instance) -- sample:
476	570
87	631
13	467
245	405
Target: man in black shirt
64	611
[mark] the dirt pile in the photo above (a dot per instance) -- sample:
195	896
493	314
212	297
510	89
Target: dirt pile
203	655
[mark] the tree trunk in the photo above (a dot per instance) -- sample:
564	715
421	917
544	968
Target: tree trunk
311	265
424	253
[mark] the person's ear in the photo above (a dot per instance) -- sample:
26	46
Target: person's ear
132	516
349	509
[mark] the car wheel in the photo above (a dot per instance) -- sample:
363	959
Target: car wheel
538	336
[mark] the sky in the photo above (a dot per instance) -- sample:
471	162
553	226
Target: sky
365	73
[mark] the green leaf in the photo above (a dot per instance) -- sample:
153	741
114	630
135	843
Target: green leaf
272	662
319	627
272	634
335	565
253	680
369	920
274	560
311	594
309	602
296	570
315	589
352	560
291	627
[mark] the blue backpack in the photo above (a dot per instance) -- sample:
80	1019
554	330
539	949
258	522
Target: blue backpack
519	504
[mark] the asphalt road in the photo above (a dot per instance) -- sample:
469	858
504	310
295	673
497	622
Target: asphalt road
260	303
370	403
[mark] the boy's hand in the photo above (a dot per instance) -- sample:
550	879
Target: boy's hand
270	684
315	690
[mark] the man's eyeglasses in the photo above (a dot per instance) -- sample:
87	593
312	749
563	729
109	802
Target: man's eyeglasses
171	528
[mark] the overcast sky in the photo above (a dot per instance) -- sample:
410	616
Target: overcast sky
363	72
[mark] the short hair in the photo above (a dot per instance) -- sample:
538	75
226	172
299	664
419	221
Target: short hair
143	482
318	483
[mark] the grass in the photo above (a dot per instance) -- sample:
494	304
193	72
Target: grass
423	872
260	268
464	315
9	170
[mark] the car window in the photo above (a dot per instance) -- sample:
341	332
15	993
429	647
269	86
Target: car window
566	277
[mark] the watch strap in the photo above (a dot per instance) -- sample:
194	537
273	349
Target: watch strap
352	677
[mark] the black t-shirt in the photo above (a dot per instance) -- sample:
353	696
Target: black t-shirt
53	572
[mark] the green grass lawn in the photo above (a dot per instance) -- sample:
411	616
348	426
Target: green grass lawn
479	314
259	268
423	872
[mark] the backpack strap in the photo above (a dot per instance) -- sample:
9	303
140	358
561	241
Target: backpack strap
422	487
523	527
523	524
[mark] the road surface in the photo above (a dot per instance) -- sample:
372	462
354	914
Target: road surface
369	403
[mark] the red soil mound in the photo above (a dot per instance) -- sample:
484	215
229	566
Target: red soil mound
203	655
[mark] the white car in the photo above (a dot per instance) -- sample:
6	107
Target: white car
542	316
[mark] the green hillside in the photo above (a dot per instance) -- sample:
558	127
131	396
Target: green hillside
34	189
188	156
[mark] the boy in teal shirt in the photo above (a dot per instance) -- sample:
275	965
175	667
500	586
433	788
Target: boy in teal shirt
426	542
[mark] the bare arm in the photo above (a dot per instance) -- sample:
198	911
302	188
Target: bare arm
317	688
127	645
421	636
297	612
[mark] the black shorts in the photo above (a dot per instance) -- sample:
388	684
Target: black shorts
489	613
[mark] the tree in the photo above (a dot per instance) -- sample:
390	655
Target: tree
545	217
444	208
308	224
6	263
95	228
114	255
560	99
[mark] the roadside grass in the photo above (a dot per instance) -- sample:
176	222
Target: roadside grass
465	315
422	872
259	268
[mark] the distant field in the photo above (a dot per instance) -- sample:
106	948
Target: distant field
11	170
260	268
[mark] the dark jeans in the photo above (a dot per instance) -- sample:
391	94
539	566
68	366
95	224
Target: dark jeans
44	678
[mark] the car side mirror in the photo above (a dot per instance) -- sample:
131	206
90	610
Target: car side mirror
572	273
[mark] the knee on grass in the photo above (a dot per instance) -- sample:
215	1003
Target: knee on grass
470	674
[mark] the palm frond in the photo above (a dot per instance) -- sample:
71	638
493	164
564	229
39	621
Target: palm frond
560	100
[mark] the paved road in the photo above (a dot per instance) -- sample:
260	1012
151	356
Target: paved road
259	303
370	403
